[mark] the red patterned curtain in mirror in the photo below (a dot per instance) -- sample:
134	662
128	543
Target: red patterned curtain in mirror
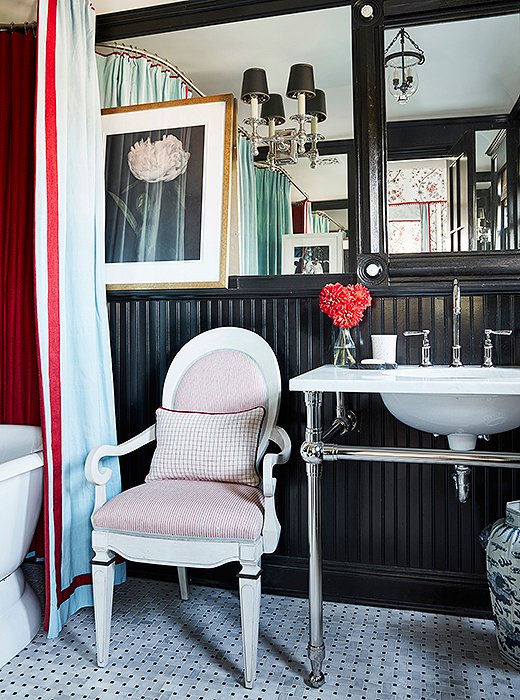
19	393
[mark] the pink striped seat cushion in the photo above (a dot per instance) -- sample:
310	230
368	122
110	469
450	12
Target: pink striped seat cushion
178	508
207	446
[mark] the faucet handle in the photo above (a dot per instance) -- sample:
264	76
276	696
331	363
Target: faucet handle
488	345
426	347
488	332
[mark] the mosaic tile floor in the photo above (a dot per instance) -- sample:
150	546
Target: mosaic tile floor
163	648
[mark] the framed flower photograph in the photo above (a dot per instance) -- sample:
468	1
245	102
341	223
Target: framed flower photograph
312	254
168	182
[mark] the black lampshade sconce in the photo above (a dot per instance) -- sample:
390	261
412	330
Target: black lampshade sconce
285	146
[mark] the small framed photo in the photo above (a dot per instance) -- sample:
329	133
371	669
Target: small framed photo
168	182
312	254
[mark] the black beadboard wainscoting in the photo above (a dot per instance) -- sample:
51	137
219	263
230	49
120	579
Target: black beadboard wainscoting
393	534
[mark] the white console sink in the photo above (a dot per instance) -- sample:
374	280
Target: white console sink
460	402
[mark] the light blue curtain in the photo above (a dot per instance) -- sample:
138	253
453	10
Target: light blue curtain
248	221
273	204
320	224
126	80
72	322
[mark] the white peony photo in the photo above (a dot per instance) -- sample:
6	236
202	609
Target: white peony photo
154	195
158	161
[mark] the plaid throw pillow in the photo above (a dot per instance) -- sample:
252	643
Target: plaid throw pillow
207	446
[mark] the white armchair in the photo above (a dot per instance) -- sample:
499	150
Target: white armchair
220	403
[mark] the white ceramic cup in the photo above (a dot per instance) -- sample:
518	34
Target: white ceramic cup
384	347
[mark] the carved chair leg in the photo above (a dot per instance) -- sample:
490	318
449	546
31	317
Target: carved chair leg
182	573
103	566
250	616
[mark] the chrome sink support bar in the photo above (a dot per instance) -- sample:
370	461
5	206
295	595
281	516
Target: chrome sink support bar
407	455
314	452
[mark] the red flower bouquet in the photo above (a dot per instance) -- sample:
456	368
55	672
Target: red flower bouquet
345	306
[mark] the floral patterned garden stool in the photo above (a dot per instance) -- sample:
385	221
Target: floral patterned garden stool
502	544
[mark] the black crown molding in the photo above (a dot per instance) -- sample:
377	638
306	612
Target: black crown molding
202	13
409	12
198	13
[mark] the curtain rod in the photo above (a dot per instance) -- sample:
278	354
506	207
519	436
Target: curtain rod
329	217
25	27
124	48
279	169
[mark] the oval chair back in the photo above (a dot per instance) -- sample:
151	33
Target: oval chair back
226	370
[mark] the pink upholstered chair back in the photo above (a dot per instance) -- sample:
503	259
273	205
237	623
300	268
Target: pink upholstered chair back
225	370
223	381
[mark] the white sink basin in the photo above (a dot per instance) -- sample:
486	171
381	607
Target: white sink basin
460	402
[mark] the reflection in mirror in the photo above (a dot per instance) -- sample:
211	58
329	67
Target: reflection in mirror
418	206
461	200
214	58
490	230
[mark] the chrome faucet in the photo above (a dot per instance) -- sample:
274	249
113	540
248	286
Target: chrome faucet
425	349
488	345
455	325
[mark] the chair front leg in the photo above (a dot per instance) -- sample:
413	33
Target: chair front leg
103	566
182	573
249	587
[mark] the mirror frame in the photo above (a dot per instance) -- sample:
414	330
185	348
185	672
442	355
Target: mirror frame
491	265
369	20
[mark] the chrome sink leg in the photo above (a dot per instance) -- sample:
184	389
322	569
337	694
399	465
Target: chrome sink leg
461	477
312	453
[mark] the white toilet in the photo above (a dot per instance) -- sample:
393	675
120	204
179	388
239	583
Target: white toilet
21	494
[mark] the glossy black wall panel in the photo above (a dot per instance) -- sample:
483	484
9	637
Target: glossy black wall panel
393	534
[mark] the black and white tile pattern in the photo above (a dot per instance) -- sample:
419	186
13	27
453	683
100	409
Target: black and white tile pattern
167	649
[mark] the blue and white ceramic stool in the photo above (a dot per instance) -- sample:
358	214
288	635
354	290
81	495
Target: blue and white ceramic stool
503	574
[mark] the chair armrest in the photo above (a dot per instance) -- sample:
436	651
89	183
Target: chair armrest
101	475
281	439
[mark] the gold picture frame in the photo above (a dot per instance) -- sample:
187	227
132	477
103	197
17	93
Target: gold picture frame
168	188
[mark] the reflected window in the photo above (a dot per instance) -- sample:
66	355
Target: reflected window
417	207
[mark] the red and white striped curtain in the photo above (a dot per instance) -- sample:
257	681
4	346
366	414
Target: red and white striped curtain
302	216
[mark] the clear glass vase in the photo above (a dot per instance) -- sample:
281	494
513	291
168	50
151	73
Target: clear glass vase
344	348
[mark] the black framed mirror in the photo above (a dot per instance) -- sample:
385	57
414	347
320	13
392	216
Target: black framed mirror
451	188
370	19
326	188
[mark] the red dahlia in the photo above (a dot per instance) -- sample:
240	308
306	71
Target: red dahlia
345	304
332	298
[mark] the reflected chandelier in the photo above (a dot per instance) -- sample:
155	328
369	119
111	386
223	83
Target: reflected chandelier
285	146
402	76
